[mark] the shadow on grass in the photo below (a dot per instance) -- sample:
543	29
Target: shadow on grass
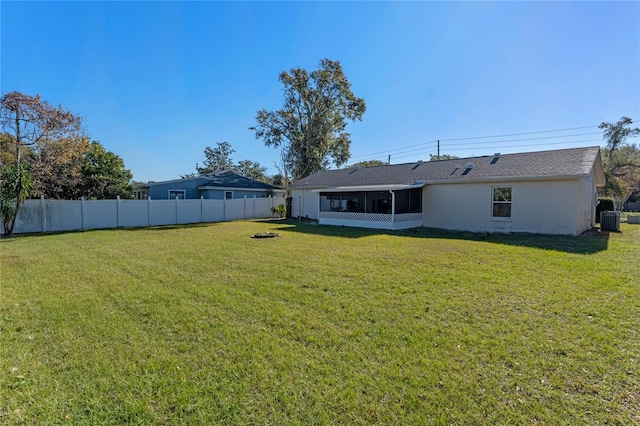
153	228
587	243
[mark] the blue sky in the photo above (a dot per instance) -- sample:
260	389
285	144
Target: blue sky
157	82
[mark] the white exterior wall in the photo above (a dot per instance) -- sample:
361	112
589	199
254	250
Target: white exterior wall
545	207
587	199
305	203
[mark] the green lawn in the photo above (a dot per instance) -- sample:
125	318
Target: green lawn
324	325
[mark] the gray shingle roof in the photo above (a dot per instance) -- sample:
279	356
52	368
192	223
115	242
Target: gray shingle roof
530	165
222	179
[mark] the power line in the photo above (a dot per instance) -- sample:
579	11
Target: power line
395	149
520	134
525	139
532	144
517	146
401	150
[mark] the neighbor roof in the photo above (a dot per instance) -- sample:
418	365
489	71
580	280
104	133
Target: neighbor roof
220	179
561	163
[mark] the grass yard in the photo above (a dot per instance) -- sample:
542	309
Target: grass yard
324	325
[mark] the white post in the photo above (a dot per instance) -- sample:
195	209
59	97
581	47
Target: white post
118	211
393	208
176	209
201	207
149	210
43	206
244	208
253	209
82	212
224	208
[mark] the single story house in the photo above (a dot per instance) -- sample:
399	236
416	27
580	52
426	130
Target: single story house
221	185
547	192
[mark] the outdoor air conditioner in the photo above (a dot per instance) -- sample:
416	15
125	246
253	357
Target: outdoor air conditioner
609	220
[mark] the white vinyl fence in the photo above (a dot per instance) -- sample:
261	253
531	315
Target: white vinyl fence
45	215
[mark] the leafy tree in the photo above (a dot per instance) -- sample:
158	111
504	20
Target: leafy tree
218	158
104	175
57	168
7	148
73	167
15	184
622	173
310	128
442	157
621	161
30	121
280	180
617	133
369	163
253	170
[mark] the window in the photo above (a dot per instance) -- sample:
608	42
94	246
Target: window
228	195
176	193
501	202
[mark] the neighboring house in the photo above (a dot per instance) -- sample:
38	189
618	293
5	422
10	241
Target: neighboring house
548	192
222	185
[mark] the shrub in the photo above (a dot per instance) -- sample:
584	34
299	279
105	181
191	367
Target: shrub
279	210
604	204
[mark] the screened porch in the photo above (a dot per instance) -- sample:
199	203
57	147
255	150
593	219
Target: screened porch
381	207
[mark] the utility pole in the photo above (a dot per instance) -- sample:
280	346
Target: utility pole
438	150
389	159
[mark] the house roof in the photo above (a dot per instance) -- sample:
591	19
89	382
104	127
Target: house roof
555	164
219	179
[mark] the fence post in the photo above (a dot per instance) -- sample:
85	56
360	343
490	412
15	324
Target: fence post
244	208
224	209
43	206
201	207
176	209
82	213
253	209
149	210
118	211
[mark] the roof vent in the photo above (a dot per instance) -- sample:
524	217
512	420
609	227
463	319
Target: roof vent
468	169
417	165
354	170
496	156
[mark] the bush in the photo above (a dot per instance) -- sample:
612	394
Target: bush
604	204
279	211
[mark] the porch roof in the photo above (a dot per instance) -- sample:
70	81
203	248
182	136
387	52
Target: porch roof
364	188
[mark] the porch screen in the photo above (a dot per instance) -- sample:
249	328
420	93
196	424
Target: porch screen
356	202
409	201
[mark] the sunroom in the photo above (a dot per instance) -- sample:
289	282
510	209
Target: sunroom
376	206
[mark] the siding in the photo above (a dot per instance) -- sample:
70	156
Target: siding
305	203
546	207
586	207
218	194
160	191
